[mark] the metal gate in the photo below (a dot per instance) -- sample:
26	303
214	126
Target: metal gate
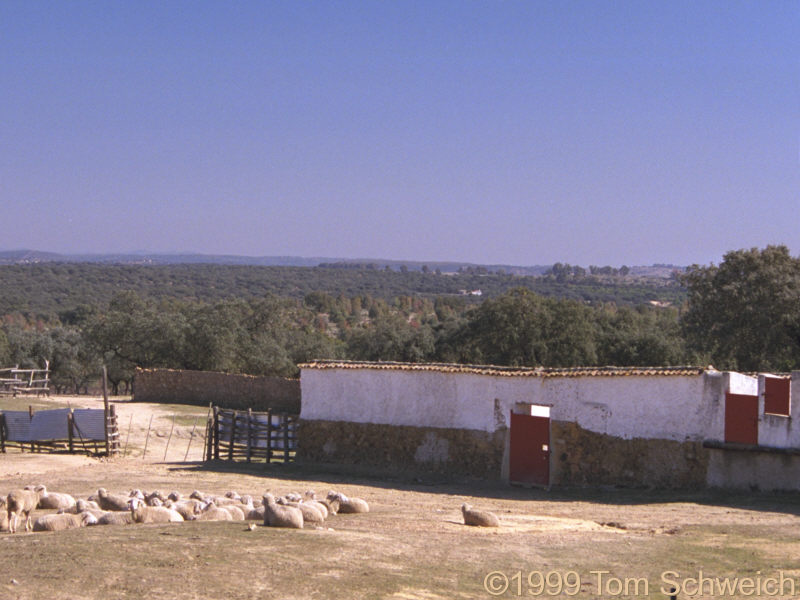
529	456
741	418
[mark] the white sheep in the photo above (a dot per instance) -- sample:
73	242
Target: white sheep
142	513
237	514
478	518
115	518
311	498
348	505
62	521
3	515
311	514
188	509
212	512
54	500
276	515
113	501
21	502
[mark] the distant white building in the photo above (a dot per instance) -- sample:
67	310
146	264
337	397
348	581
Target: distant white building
674	427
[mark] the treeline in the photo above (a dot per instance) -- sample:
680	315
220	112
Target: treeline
743	314
272	335
45	290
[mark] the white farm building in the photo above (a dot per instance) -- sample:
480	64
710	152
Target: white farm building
673	427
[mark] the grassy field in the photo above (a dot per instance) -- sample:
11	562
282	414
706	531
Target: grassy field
412	544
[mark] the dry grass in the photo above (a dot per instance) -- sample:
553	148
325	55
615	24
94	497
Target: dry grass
411	545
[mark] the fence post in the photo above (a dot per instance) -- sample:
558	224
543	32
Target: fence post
285	419
216	433
232	436
269	436
2	433
105	408
249	432
70	434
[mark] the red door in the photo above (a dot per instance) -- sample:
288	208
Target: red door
741	418
529	458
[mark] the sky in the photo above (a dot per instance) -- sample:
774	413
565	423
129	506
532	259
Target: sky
497	132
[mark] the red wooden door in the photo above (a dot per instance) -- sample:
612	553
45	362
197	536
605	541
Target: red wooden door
741	418
529	456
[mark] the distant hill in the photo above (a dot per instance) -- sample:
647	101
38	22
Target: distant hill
19	257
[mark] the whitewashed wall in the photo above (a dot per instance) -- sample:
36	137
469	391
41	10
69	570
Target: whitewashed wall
659	407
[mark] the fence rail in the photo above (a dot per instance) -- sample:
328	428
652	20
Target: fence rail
15	381
246	435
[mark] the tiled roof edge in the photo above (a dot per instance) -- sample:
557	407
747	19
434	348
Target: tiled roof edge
510	371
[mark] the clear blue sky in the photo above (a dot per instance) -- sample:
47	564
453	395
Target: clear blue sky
588	132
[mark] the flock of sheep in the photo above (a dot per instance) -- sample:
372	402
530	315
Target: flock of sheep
291	510
104	508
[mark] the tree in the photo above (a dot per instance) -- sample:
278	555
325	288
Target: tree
521	328
745	313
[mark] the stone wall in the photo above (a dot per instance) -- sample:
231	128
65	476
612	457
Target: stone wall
402	450
238	392
582	457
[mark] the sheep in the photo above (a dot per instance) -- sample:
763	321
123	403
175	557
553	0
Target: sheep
311	498
478	518
3	515
175	496
348	505
83	505
311	514
61	521
252	512
188	509
53	500
141	513
250	501
21	502
112	501
212	512
276	515
237	514
115	518
154	499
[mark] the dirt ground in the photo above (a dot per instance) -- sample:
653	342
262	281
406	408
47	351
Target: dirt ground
412	544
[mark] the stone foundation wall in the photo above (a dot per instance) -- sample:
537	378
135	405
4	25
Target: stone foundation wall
581	457
403	449
238	392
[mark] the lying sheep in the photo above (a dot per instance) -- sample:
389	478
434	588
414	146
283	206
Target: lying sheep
348	505
276	515
478	518
54	500
311	514
3	515
141	513
115	518
212	512
21	502
237	514
188	509
311	498
62	521
112	501
83	505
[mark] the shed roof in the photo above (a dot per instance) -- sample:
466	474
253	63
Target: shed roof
511	371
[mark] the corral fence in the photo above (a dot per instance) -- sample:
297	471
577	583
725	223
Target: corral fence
93	431
237	435
15	381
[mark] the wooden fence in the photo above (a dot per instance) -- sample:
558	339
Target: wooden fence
247	435
15	381
92	431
